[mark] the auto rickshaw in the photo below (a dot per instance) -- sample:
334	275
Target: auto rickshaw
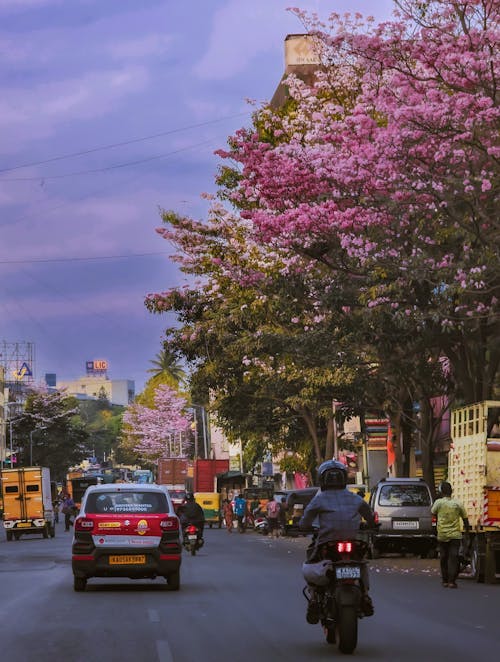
210	502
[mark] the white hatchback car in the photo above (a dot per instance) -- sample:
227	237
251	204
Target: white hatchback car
126	530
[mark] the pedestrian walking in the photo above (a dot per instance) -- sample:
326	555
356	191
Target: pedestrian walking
227	512
68	509
240	510
273	509
449	512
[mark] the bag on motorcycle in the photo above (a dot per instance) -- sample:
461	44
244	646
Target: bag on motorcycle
317	573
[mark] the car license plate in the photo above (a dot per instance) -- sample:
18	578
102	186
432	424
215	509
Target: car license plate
348	572
405	524
127	559
24	525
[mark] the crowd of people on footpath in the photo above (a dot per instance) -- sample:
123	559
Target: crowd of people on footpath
241	513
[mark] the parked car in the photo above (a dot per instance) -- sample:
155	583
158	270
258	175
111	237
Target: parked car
126	530
403	511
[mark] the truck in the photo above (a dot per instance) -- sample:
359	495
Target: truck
172	472
474	473
27	498
206	472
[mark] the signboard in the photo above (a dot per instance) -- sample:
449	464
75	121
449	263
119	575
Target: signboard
24	371
96	367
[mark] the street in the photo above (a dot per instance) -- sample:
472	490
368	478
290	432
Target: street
240	598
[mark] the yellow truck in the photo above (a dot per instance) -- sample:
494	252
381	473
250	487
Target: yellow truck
474	473
27	501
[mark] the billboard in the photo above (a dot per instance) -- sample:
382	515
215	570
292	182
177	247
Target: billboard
96	367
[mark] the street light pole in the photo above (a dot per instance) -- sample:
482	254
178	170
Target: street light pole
31	443
204	428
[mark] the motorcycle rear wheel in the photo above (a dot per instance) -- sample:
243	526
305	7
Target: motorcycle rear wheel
193	551
347	629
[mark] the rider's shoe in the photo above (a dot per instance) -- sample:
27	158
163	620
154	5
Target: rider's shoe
367	605
312	614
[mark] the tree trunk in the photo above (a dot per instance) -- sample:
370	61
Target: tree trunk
330	438
311	426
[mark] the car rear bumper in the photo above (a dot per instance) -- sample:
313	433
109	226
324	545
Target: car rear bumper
98	563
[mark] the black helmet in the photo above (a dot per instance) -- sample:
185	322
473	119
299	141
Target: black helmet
189	496
332	475
445	488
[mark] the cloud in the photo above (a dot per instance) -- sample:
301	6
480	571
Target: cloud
146	46
20	5
240	32
37	112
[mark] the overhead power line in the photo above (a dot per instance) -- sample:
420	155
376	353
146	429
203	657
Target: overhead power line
120	144
105	168
82	259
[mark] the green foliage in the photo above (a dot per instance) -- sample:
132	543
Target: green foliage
58	434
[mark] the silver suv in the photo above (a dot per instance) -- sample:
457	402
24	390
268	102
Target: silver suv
403	511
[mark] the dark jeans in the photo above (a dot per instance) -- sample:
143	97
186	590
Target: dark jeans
67	521
448	558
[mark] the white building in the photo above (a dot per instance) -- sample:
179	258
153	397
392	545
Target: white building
90	387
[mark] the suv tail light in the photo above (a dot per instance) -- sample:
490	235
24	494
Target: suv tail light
434	520
376	517
84	524
169	523
344	547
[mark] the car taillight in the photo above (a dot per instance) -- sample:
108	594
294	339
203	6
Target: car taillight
376	517
344	547
169	524
434	520
84	524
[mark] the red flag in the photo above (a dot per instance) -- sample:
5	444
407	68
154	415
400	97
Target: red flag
391	453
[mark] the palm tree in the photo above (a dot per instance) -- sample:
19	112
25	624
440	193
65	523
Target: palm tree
166	366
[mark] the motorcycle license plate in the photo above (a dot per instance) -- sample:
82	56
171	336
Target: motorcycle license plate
348	572
192	538
127	559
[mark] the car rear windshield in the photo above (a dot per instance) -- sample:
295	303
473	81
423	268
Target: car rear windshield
127	503
404	495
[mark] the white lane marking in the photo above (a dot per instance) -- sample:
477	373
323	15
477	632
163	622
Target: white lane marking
164	652
154	616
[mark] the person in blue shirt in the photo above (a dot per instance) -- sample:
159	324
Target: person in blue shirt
338	513
240	510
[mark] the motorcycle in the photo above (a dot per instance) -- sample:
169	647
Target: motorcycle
335	584
261	525
192	541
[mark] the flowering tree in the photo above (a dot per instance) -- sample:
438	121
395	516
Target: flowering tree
158	429
259	336
387	170
366	218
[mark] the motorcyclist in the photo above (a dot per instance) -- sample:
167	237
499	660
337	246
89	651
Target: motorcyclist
339	514
192	513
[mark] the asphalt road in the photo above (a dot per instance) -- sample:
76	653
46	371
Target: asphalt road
240	599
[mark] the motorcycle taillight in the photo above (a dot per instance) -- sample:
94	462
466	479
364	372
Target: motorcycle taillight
344	547
191	529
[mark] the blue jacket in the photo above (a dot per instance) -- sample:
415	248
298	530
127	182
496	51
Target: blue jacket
339	514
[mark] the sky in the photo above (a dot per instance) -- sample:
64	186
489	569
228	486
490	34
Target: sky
109	111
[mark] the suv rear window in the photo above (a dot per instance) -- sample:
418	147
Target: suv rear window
177	494
126	502
404	495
